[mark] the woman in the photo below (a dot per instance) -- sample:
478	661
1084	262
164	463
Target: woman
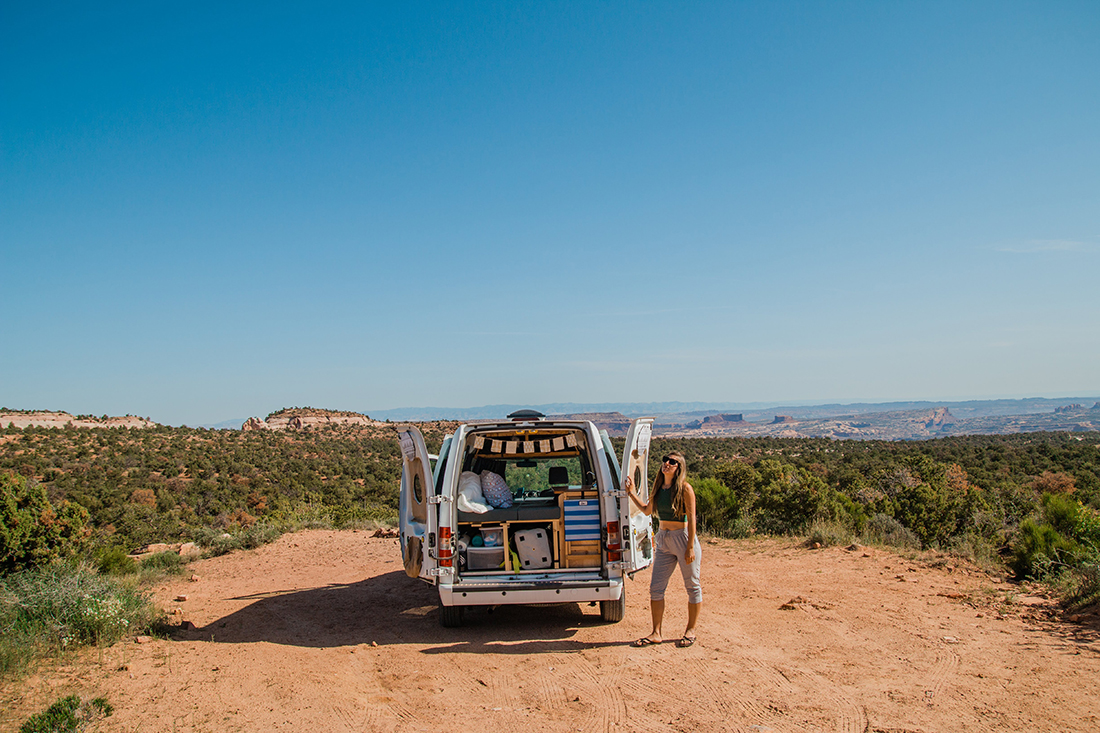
676	544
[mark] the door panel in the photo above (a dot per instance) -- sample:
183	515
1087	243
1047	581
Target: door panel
415	511
635	463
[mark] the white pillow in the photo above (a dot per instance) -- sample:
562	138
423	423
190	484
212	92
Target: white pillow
470	498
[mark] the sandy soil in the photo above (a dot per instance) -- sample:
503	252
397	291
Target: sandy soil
321	631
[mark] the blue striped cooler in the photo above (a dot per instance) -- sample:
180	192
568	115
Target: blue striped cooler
582	519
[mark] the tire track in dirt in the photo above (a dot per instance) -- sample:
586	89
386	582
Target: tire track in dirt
610	708
551	692
850	717
505	702
947	662
691	679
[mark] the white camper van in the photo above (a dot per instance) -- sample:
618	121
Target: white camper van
571	534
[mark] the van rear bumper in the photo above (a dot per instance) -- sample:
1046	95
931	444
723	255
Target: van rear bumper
500	594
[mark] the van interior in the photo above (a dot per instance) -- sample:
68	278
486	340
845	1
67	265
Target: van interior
554	523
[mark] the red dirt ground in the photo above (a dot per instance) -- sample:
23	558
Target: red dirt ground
321	631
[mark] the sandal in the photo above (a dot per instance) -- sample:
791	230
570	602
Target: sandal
685	641
644	641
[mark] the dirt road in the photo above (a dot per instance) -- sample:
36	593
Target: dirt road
321	631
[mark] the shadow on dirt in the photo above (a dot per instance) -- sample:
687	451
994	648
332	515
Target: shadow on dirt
393	609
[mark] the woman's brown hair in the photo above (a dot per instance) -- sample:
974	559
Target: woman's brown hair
678	482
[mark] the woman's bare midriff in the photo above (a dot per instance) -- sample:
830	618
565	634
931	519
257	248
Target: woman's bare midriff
670	526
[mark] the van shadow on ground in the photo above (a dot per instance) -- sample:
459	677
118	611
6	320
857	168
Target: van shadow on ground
393	609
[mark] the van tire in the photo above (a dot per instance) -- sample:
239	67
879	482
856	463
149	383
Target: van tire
450	617
613	611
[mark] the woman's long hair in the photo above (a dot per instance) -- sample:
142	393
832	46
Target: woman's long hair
678	481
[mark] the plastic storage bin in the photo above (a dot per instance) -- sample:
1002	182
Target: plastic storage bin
493	536
485	558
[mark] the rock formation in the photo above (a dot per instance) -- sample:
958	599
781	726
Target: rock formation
940	417
783	419
715	420
301	418
51	419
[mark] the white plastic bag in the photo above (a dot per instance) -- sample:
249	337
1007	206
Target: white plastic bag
470	498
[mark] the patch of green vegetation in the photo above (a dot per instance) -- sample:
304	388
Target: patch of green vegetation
62	606
67	715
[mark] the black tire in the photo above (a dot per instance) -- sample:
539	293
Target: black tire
450	617
613	611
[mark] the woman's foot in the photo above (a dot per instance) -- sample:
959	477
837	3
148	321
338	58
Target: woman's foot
686	640
646	641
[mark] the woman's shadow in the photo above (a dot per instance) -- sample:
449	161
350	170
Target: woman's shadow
392	609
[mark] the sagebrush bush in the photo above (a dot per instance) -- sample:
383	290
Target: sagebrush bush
63	606
828	533
882	529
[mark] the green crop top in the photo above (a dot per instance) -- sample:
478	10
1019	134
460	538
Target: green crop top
664	507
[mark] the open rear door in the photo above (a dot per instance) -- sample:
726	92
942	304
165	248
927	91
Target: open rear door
416	513
635	463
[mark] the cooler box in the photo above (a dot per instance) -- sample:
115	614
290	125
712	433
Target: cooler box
485	558
533	547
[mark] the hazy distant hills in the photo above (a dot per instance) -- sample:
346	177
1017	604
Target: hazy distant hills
751	411
858	421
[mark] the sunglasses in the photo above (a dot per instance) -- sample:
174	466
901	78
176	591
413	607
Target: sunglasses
670	459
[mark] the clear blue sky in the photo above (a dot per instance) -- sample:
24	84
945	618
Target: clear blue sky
211	212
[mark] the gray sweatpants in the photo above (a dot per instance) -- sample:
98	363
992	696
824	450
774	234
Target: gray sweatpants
671	549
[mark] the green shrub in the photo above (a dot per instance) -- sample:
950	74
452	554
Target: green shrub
114	561
828	533
67	715
1037	547
882	529
33	531
716	506
168	562
63	606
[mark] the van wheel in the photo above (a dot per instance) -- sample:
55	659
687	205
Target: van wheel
450	616
613	611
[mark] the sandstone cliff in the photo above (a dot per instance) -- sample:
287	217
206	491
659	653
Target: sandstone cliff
53	419
300	418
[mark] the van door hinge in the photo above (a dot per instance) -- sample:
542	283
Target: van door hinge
617	493
438	571
616	565
438	499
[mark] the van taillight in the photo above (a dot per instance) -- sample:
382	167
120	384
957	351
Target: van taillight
446	552
614	547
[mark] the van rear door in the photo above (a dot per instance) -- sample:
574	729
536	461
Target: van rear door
636	525
416	513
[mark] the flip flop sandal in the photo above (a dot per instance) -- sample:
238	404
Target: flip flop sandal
685	641
644	641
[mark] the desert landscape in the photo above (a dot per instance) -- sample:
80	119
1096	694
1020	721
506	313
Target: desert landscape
321	630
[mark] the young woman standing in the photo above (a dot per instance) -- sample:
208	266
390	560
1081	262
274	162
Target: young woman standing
677	543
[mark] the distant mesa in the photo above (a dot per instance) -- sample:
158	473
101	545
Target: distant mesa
1071	408
716	420
783	420
302	418
53	419
939	418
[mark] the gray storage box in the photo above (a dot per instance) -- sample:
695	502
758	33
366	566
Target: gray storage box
485	558
533	548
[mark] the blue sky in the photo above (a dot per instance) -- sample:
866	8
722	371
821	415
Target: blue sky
208	212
